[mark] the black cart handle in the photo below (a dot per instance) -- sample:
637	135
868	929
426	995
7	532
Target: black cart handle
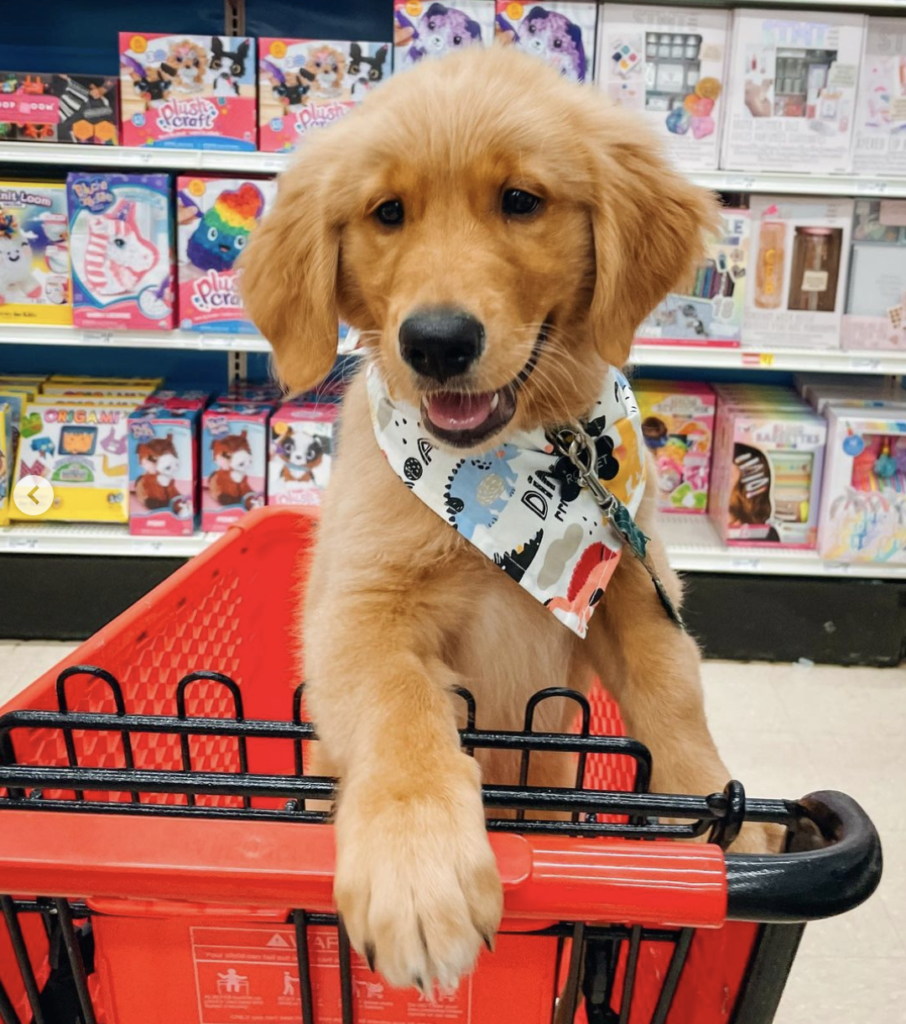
840	872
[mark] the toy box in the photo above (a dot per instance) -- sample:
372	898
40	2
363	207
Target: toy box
875	316
800	253
562	34
668	63
243	392
82	451
678	426
34	253
712	311
879	140
233	462
792	95
766	475
301	452
215	218
188	92
82	109
121	245
163	471
863	503
306	83
6	458
422	28
179	398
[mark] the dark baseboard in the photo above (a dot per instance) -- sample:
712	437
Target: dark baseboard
747	617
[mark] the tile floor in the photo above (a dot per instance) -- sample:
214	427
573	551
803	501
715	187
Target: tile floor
785	731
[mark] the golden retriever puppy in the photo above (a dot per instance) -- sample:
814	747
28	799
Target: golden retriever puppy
497	234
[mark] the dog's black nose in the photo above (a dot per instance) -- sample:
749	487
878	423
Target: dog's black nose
441	343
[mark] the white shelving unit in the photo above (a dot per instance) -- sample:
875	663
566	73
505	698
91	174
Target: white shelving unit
78	337
95	539
787	359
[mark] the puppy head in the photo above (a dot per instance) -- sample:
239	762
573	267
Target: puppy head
498	237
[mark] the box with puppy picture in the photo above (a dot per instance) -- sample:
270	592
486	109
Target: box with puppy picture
427	29
560	34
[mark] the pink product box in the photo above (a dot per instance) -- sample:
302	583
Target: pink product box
215	217
234	462
766	476
180	398
423	28
188	92
308	83
163	471
561	34
302	443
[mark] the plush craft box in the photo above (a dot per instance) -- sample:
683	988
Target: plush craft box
81	109
302	441
233	462
428	29
668	64
560	34
879	141
792	91
163	471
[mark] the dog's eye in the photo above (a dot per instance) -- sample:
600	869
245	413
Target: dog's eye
519	203
390	213
558	43
457	40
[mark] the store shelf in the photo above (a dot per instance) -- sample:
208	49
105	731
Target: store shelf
187	340
694	546
95	539
801	184
820	360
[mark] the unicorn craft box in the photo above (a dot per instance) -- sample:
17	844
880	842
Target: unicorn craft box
122	250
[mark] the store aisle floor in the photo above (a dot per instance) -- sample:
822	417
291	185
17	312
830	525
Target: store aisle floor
784	731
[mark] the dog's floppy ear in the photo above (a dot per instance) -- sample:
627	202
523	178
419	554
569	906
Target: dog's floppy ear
649	224
289	274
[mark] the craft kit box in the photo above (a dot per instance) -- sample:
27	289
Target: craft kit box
186	91
800	254
863	502
301	452
233	462
678	427
879	140
82	450
560	34
308	83
426	29
668	63
121	247
82	109
163	471
34	253
215	217
711	311
792	91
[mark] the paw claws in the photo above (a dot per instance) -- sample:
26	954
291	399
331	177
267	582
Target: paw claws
489	942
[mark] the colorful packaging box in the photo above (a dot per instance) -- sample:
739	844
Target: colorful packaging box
301	451
766	474
307	83
668	63
6	458
179	398
800	253
233	462
163	471
82	109
426	29
561	34
121	245
792	91
215	218
82	451
879	141
34	253
863	503
712	311
184	91
243	392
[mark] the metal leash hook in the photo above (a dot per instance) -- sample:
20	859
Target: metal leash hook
575	444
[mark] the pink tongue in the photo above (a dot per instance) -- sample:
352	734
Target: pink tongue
451	411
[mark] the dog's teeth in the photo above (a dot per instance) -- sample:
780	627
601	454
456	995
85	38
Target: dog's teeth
494	401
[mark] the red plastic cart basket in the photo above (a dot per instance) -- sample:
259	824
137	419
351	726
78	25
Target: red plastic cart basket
159	863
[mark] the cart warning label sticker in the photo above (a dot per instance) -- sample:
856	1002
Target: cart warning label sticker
251	976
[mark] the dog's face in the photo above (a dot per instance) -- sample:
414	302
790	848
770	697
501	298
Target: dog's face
498	239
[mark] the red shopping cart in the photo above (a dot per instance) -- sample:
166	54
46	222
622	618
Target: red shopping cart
160	861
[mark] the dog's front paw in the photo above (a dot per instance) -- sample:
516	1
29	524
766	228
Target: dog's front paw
757	837
416	880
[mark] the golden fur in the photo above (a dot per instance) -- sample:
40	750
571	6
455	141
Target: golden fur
400	607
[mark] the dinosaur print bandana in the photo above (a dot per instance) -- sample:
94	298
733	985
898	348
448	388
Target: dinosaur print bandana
521	503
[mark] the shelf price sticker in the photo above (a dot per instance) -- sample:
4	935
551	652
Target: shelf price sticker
98	337
871	188
746	564
757	358
22	543
739	184
866	365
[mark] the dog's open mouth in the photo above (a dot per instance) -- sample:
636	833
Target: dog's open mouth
465	419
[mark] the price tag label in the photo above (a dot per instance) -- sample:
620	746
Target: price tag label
746	564
868	365
97	337
23	543
871	188
757	358
274	163
744	183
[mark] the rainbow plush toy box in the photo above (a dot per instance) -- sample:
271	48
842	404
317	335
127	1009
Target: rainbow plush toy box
678	425
81	109
82	451
121	244
561	34
306	83
215	218
163	471
233	462
185	91
34	253
301	452
426	29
